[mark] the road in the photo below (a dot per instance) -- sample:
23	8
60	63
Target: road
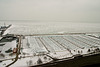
18	52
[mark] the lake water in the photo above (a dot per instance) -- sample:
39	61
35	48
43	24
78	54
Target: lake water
34	27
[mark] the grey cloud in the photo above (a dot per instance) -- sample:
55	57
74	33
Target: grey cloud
61	10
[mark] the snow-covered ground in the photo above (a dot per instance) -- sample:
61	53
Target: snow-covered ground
6	56
6	47
5	63
31	61
34	48
41	48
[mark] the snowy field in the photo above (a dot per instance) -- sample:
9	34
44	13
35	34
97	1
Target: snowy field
33	27
34	48
58	43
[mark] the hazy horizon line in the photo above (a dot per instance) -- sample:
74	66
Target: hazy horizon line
54	20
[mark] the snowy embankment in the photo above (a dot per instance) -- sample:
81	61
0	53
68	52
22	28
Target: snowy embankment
7	31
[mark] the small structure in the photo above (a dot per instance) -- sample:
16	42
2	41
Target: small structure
15	50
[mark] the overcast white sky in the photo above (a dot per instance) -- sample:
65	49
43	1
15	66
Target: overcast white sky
50	10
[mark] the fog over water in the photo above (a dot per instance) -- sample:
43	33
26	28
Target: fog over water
50	16
33	27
